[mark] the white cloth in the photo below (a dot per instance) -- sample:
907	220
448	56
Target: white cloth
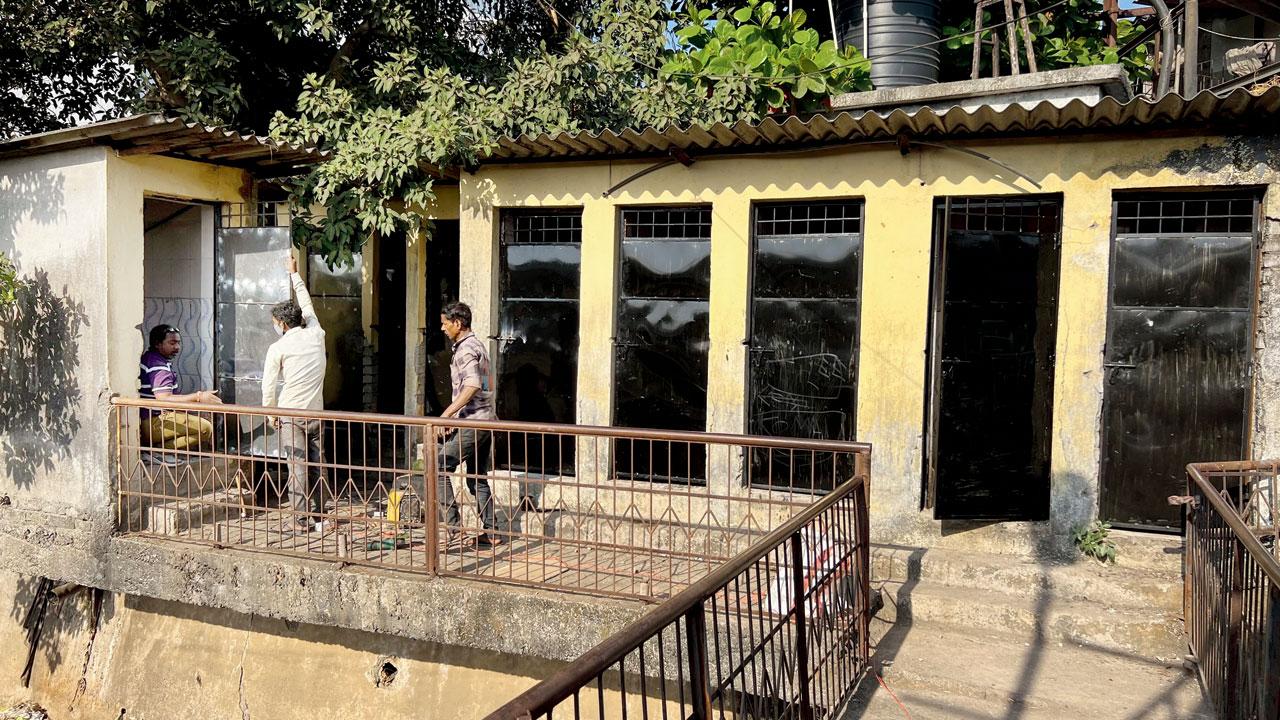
298	360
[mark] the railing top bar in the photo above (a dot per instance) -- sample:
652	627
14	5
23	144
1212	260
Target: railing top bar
511	426
600	658
1237	524
1236	466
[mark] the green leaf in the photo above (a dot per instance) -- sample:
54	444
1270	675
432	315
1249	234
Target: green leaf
742	14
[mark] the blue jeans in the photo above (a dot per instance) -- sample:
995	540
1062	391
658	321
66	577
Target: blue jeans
473	448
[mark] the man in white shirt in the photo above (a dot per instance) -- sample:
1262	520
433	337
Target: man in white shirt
293	377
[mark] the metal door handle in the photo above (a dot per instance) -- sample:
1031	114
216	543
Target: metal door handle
1120	366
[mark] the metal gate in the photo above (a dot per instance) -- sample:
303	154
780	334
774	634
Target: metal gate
993	329
540	258
1177	358
660	353
806	274
250	246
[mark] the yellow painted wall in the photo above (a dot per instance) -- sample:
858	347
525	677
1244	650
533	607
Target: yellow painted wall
129	180
899	192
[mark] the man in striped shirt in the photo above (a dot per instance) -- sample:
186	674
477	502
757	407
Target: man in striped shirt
472	399
170	429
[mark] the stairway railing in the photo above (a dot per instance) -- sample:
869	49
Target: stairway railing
780	631
1231	592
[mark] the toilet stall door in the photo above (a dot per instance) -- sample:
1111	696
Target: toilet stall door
1177	357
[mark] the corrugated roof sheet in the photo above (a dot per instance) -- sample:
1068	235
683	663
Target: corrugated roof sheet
1236	109
155	134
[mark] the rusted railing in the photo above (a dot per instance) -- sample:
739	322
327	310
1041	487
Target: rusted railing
1232	585
778	632
609	511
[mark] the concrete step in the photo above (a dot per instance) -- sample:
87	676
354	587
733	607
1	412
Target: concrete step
1151	633
939	671
1155	551
1140	586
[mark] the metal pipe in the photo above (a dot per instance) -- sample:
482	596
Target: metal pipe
1190	47
1169	43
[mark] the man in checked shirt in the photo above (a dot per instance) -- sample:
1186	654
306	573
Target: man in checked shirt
472	399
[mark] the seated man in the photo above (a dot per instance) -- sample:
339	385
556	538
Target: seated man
170	429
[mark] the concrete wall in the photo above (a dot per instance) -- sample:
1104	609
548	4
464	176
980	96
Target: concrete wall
899	192
157	659
54	369
73	222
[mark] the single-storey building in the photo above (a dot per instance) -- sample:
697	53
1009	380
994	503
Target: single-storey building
1037	297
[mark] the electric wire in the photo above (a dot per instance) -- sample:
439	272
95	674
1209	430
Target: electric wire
1208	31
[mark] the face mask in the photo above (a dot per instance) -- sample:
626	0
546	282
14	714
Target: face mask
279	330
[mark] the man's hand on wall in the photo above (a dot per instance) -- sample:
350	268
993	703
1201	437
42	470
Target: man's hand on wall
291	264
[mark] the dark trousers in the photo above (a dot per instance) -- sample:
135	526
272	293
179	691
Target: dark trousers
300	440
473	448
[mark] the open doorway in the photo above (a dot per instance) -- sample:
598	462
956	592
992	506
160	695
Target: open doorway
993	329
441	287
177	283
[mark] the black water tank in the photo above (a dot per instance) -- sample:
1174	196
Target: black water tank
895	25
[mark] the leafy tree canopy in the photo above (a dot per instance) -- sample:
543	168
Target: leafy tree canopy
618	66
1070	35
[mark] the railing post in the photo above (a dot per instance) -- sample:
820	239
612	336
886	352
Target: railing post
431	474
1271	666
1235	627
802	630
695	627
862	516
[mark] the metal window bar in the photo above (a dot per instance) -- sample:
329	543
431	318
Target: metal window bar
667	223
542	227
1231	575
811	218
572	525
1184	213
780	631
255	215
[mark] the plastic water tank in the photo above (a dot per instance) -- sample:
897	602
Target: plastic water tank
894	26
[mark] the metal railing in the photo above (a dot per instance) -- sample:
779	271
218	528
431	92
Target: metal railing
1232	585
778	632
607	511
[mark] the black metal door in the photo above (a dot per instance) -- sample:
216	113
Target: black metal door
1177	356
806	274
660	353
539	267
994	328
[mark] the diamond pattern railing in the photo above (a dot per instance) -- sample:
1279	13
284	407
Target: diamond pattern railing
564	515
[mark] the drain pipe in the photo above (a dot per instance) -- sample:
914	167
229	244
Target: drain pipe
1168	41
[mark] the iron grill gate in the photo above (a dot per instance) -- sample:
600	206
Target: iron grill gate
806	278
660	349
540	258
1178	351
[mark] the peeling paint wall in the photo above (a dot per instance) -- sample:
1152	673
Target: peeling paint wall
899	192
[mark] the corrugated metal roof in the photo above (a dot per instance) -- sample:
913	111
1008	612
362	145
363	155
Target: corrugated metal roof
1234	110
155	134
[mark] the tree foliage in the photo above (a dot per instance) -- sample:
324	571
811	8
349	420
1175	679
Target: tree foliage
618	67
793	70
1068	36
61	63
237	62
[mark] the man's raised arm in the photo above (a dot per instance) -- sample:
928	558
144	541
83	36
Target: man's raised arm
304	297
